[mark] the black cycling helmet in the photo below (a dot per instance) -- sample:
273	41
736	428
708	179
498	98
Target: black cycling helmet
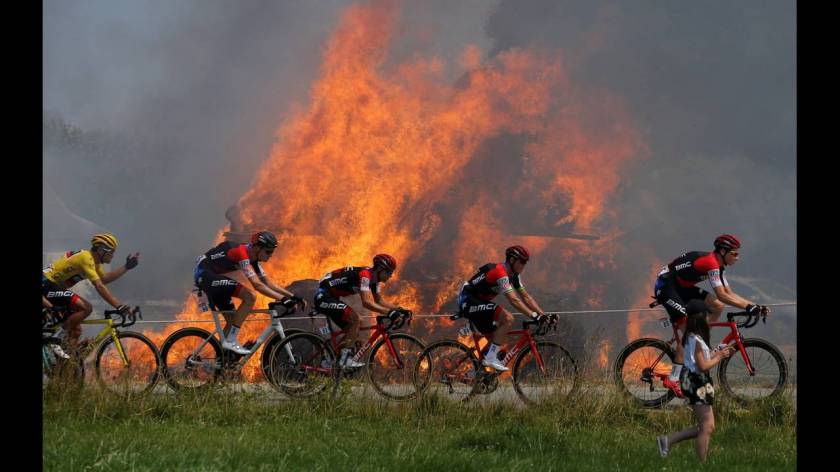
384	261
265	239
517	252
727	241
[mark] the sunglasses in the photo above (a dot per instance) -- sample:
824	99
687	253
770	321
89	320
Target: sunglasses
269	251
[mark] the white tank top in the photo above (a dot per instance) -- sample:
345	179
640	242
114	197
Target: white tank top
690	347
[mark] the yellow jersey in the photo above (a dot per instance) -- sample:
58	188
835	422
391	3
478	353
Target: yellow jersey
74	267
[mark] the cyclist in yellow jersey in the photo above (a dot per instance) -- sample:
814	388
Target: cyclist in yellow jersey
76	266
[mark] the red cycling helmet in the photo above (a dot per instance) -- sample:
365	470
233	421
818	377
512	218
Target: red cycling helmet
727	241
517	252
384	261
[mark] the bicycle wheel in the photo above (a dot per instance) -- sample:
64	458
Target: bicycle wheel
268	346
556	379
301	365
136	373
770	372
187	368
446	368
637	370
392	374
58	372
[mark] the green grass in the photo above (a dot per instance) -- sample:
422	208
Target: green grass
237	431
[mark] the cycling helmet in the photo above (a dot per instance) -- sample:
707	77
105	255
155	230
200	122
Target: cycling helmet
727	241
517	252
384	261
106	240
265	239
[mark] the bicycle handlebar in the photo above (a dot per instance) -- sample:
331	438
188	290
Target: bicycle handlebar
125	320
542	328
751	320
288	305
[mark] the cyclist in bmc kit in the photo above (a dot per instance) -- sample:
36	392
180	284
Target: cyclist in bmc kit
676	285
491	320
74	267
228	257
363	281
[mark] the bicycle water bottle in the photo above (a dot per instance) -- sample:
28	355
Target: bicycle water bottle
203	305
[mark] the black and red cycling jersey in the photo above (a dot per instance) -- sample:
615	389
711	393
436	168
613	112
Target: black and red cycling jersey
491	280
228	257
349	280
693	267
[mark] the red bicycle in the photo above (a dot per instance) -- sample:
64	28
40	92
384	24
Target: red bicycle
759	372
304	364
541	369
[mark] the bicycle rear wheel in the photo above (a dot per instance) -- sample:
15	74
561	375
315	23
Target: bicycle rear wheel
301	365
556	379
187	368
637	368
57	372
137	373
393	377
770	372
446	368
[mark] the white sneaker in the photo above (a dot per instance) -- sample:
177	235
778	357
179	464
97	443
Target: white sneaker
662	442
347	361
494	363
235	347
56	349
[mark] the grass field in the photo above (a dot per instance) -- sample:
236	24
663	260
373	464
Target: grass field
243	431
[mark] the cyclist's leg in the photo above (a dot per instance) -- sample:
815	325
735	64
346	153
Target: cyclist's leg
219	290
715	306
234	322
489	319
343	316
503	320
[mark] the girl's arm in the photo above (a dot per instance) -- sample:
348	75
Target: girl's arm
716	356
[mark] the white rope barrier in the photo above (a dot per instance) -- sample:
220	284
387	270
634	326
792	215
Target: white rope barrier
577	312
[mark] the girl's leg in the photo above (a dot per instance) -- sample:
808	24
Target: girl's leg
706	418
689	433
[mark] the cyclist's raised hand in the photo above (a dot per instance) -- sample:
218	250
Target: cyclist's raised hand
132	260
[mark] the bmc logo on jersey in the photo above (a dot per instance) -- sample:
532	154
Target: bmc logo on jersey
217	255
67	293
477	279
335	282
335	306
682	266
217	283
484	306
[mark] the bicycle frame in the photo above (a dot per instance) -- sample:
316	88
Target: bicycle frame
525	338
274	326
378	330
734	335
107	331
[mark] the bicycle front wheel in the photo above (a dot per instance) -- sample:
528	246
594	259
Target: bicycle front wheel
136	372
638	370
301	365
770	372
550	372
446	368
185	366
391	372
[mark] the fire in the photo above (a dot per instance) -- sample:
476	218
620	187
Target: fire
390	156
641	323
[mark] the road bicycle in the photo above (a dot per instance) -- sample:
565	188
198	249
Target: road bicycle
125	362
194	360
305	364
541	369
760	371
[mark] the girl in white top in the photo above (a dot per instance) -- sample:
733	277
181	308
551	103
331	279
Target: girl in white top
697	384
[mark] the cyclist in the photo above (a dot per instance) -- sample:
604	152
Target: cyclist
75	266
363	281
676	285
491	319
228	257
